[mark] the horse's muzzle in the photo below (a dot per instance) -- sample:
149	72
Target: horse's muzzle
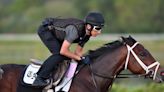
160	77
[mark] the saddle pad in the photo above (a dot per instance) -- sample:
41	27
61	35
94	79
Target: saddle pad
30	73
65	85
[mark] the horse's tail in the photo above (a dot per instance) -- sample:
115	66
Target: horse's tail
1	72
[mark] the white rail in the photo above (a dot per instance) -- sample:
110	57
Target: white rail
34	37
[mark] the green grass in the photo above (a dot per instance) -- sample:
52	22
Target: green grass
21	51
152	87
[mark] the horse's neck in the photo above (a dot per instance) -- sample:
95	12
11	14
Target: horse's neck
109	65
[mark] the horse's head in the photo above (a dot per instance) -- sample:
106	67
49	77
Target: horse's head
140	61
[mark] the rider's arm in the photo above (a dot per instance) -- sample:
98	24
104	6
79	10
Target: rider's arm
79	50
71	35
66	52
80	45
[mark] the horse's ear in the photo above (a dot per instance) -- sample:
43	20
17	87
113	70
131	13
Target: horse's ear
123	39
132	38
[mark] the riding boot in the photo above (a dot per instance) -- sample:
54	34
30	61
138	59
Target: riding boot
46	69
40	82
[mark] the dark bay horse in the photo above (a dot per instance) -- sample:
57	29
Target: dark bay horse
107	62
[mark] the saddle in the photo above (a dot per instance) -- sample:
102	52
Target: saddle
57	78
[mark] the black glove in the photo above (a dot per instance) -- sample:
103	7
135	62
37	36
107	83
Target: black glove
85	60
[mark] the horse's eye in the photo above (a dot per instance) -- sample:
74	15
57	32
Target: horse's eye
142	54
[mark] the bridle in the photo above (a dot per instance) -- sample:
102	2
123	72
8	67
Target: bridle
145	67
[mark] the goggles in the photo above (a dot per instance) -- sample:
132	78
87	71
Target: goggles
97	28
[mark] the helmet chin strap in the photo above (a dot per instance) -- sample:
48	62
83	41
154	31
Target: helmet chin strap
145	67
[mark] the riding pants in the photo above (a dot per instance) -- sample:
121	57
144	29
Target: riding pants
54	45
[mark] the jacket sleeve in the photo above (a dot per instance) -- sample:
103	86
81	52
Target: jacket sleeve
71	33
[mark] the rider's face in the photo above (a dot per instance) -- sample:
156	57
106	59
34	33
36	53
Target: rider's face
95	31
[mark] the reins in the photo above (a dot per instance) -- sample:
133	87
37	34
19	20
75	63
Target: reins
119	76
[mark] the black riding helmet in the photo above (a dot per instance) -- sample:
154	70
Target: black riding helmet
95	18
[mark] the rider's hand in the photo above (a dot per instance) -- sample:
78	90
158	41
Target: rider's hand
85	60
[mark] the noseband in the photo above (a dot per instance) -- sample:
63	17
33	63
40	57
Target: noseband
145	67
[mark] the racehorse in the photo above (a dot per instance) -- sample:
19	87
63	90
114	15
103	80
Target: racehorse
107	63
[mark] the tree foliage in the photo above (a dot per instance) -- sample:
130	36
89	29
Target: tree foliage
121	16
136	16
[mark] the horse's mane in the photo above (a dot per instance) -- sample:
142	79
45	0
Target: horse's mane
109	47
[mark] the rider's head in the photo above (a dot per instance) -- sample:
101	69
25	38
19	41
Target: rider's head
94	22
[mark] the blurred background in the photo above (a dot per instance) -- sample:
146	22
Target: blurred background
142	19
